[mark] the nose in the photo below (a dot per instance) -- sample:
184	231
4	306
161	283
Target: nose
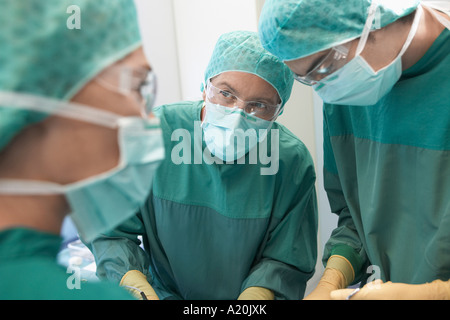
240	104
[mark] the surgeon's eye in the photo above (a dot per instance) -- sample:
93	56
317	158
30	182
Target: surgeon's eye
256	106
258	109
324	68
226	94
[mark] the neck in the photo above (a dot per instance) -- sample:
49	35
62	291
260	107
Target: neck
43	213
428	31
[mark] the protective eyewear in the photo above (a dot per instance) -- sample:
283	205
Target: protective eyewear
140	83
255	108
333	61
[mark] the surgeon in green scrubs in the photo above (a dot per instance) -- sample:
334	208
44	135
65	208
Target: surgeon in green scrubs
70	137
382	69
223	221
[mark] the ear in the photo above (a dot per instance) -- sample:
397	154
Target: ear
204	95
203	113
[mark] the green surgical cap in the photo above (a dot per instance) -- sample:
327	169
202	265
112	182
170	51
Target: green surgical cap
293	29
242	51
43	54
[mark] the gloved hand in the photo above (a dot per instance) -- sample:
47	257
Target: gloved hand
377	290
136	282
337	275
256	293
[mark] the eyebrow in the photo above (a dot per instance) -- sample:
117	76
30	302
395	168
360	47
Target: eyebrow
235	92
224	83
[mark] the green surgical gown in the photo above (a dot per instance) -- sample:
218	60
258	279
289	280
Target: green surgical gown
387	175
28	271
212	230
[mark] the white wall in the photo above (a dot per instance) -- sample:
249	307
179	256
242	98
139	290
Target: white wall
159	37
199	23
179	37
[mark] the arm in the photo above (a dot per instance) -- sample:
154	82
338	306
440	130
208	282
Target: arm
344	255
288	254
120	258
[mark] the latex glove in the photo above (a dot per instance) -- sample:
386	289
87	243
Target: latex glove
377	290
256	293
337	275
136	279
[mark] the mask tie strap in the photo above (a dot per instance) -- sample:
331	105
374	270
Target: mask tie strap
59	108
413	31
442	6
28	187
367	28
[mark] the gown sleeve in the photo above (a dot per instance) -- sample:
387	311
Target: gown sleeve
344	240
119	251
288	253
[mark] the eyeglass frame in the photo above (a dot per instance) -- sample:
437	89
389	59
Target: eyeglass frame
338	53
125	85
237	99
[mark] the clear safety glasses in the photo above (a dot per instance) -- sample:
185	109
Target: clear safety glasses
140	83
255	108
333	61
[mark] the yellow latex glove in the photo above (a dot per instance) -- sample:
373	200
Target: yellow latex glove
337	275
256	293
136	283
377	290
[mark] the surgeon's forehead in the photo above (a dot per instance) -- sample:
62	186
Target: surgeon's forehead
136	62
247	85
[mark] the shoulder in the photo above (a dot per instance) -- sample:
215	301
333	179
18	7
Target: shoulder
64	285
177	116
296	164
291	148
180	110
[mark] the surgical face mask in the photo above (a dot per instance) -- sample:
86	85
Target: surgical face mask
102	202
356	83
230	133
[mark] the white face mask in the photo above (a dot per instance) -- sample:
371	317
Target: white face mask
356	83
230	133
102	202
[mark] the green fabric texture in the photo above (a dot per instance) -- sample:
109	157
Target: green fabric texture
29	271
212	230
293	29
40	55
387	170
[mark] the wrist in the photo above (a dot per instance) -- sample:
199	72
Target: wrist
332	279
256	293
341	264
